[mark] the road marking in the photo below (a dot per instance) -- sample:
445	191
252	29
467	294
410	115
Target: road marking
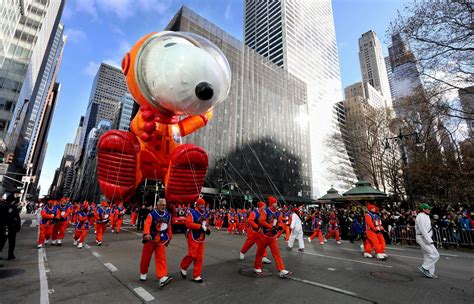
402	249
111	267
22	222
396	255
332	288
145	295
96	254
348	260
34	223
332	269
44	291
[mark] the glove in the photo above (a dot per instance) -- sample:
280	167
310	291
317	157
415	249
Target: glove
204	227
167	243
274	230
63	213
208	232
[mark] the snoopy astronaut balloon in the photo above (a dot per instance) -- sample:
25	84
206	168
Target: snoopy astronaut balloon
176	78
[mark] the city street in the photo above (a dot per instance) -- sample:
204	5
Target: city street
323	274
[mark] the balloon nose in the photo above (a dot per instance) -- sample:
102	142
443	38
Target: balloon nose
204	91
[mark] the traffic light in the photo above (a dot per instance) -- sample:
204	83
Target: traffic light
9	158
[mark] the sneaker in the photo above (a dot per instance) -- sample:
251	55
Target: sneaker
289	248
241	256
325	240
381	257
165	281
183	273
309	239
258	271
79	246
285	273
59	243
95	231
39	246
143	277
46	242
425	272
74	243
53	242
361	247
433	276
99	243
339	242
368	255
265	260
198	280
321	243
113	231
301	250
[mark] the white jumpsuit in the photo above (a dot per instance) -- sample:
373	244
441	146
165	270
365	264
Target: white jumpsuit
424	235
296	231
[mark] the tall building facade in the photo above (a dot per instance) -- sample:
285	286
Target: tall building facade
126	112
36	109
466	98
299	36
22	63
372	64
405	73
258	138
108	89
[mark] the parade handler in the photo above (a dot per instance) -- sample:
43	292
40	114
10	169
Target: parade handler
156	237
424	234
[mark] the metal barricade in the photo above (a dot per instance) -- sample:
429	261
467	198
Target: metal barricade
444	237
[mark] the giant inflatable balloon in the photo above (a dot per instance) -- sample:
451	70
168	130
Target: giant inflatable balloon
177	78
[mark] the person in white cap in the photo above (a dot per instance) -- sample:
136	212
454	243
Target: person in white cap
424	234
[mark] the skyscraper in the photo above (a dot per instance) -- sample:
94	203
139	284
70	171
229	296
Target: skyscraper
107	90
22	63
299	36
372	64
126	112
405	74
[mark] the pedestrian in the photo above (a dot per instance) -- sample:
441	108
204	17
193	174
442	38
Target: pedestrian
197	228
48	215
296	230
317	224
10	224
102	217
142	215
59	228
253	233
82	225
424	234
156	237
270	221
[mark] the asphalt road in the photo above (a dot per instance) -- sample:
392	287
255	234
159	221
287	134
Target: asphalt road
322	274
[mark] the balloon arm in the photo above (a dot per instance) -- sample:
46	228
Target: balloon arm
192	123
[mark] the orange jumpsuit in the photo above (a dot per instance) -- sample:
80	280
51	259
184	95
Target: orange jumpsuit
333	228
269	221
285	223
196	237
373	231
59	229
158	226
252	232
317	232
231	222
102	215
134	215
118	216
82	226
46	226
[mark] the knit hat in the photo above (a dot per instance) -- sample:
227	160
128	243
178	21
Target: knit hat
200	201
424	206
271	199
371	206
260	204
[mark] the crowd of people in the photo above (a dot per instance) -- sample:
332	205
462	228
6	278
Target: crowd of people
262	226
